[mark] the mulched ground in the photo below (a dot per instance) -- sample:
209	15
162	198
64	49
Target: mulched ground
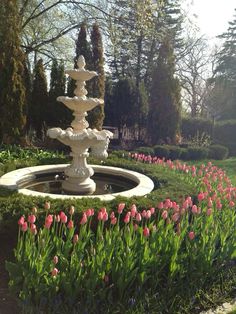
8	304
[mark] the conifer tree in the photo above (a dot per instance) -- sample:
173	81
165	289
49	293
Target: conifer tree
38	110
96	116
12	87
82	48
59	114
165	105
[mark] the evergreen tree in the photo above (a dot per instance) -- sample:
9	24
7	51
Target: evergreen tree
222	98
38	110
12	85
96	116
124	104
164	111
82	48
59	114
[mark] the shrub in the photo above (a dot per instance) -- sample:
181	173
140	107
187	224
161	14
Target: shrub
190	127
218	152
174	152
184	154
161	151
197	153
224	134
145	150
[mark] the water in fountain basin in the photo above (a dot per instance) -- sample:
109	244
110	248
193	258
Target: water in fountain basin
105	184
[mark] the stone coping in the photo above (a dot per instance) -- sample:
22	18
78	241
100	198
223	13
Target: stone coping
11	181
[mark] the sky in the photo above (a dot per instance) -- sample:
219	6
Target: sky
212	16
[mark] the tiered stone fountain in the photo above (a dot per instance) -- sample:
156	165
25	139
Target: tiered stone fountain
47	180
79	136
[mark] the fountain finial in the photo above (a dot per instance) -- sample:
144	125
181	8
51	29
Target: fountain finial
81	62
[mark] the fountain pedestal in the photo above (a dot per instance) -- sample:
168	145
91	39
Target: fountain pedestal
79	137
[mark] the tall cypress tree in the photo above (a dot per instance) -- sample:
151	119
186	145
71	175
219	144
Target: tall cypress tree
96	116
82	48
38	110
165	105
59	114
12	86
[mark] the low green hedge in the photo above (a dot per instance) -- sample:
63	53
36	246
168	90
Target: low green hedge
218	152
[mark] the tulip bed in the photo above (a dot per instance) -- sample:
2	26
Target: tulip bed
127	259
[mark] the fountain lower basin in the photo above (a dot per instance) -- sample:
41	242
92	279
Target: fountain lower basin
124	182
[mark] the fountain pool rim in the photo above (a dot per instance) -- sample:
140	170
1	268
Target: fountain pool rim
12	180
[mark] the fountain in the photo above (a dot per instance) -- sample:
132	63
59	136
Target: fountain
79	137
74	180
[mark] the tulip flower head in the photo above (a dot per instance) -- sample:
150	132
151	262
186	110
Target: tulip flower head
191	235
146	232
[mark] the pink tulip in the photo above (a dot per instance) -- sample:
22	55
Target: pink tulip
194	209
84	219
138	217
127	218
24	227
55	271
135	227
191	235
121	207
148	214
105	216
21	220
160	205
100	215
112	215
210	203
175	217
49	218
152	210
55	259
103	210
114	221
201	196
89	212
33	229
231	204
31	219
70	224
133	210
47	224
209	211
146	232
75	238
164	215
72	210
63	217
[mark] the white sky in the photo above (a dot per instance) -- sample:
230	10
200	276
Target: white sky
212	16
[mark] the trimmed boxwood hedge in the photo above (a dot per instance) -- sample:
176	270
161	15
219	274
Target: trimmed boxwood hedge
218	152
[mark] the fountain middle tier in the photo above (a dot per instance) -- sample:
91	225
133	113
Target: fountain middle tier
78	174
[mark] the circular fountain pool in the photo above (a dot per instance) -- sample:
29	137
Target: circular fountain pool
46	181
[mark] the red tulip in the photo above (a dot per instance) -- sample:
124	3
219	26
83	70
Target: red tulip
191	235
146	232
